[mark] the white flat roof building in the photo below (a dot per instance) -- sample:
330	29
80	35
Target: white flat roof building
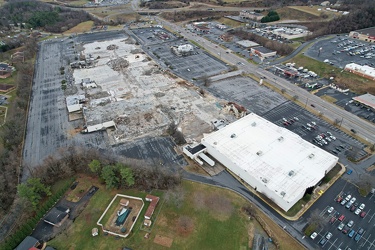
364	71
273	160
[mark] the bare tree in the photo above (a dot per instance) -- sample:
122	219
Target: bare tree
315	219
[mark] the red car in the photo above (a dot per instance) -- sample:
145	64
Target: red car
339	199
363	214
341	218
332	220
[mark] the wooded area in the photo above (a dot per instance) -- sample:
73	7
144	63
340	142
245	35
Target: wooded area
39	15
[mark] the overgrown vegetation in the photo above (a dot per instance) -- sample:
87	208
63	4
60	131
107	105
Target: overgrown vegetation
12	132
39	15
271	17
196	15
281	48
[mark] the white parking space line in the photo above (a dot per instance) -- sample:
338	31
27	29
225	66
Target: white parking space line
372	244
332	244
371	217
366	240
339	245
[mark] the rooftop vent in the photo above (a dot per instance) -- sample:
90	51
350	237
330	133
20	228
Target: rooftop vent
259	152
280	138
291	173
265	180
253	124
311	156
282	193
233	136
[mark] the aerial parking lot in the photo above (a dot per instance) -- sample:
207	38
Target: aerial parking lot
348	219
342	50
315	130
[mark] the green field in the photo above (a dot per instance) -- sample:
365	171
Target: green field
354	82
206	218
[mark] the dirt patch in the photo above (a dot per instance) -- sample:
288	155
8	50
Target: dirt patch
220	207
371	168
84	184
5	87
185	226
199	200
250	232
164	241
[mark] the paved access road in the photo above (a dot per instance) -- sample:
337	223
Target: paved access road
348	120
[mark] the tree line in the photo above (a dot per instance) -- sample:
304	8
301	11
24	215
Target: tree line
39	15
12	132
281	48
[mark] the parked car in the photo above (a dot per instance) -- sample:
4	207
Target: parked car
343	202
313	235
322	241
345	230
350	223
351	233
348	197
328	236
362	206
340	226
341	218
363	214
352	208
360	231
357	211
357	237
339	199
349	204
330	210
332	220
349	172
353	200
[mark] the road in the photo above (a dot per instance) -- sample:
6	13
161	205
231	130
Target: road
328	110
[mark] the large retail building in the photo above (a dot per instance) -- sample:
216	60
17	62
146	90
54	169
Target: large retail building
273	160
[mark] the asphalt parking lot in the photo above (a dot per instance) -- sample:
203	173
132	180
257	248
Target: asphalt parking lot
345	100
289	110
153	35
340	240
248	93
337	50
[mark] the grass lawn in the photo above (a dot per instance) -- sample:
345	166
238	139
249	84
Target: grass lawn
230	22
329	98
204	217
313	10
289	13
354	82
82	27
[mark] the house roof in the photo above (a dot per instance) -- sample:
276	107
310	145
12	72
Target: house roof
28	243
153	202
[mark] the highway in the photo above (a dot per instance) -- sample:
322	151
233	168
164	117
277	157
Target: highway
332	112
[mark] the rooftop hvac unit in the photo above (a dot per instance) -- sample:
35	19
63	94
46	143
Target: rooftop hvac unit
265	180
233	136
259	152
291	173
282	193
253	124
311	156
280	138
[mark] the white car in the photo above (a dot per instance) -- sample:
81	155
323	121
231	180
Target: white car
357	211
328	139
348	197
313	235
328	236
330	210
285	120
333	138
308	124
362	206
353	200
296	118
313	123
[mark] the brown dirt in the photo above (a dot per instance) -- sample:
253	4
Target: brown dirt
220	207
88	217
185	226
250	232
84	184
371	168
164	241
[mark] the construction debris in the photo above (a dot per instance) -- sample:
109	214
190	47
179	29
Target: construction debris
112	47
118	64
238	110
